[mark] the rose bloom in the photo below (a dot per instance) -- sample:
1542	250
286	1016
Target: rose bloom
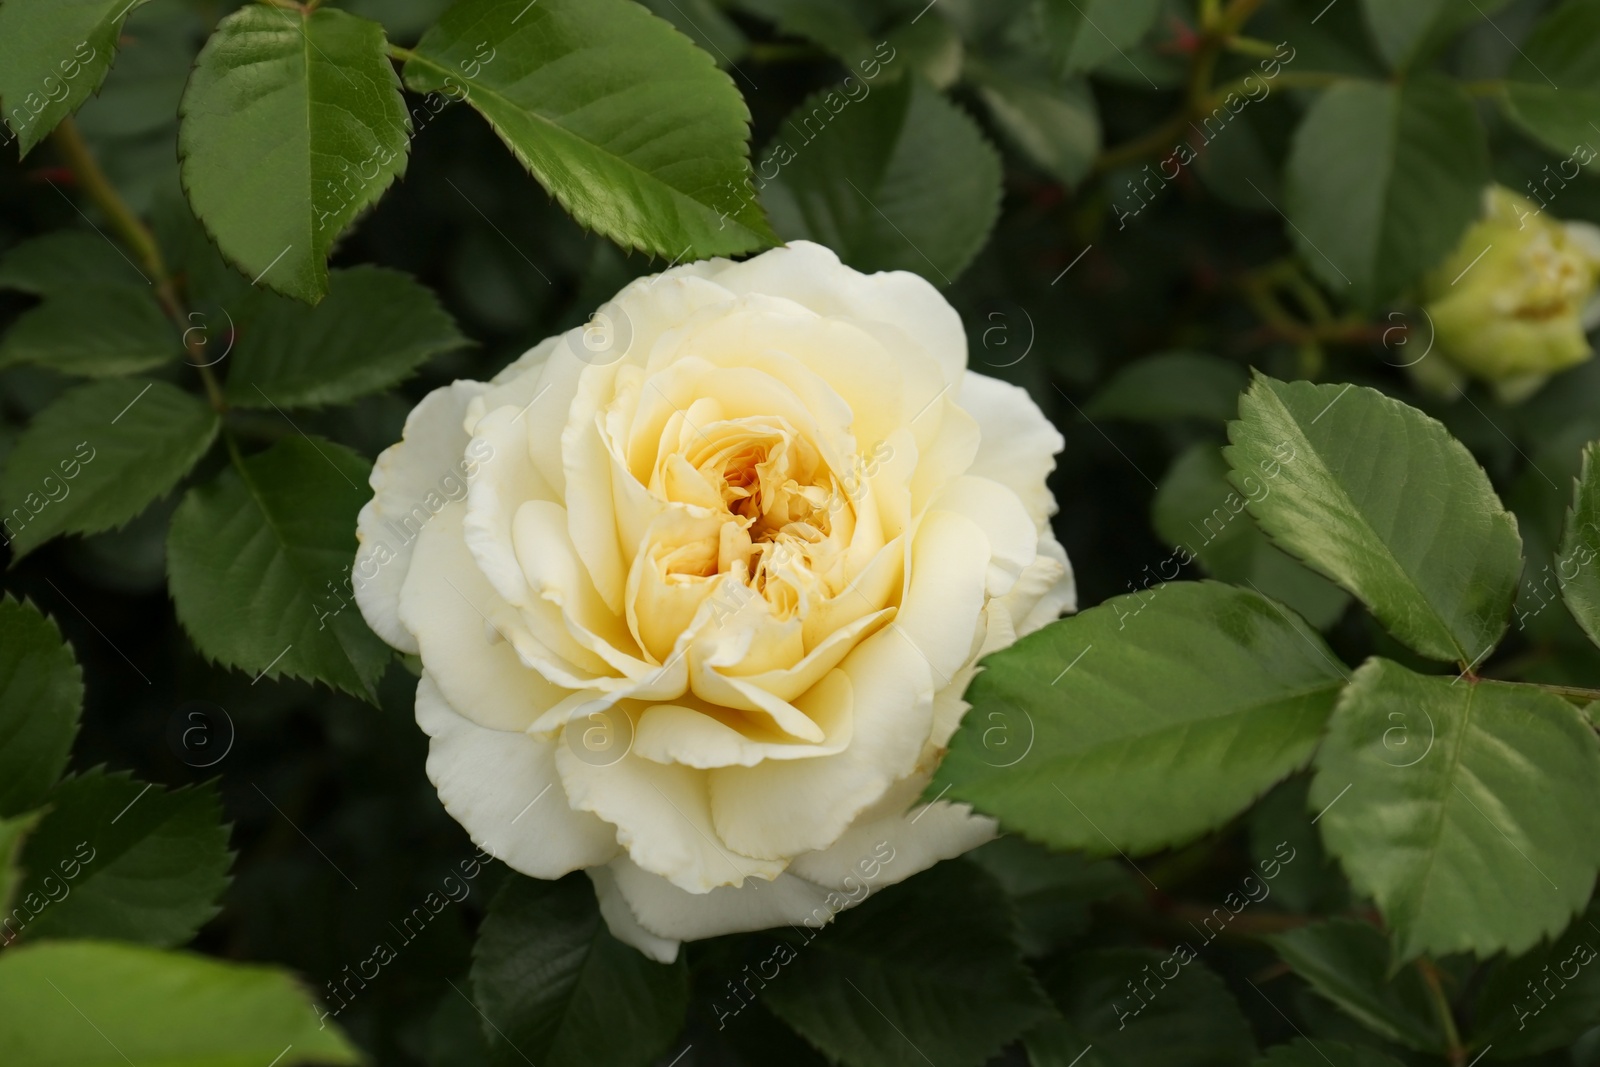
697	589
1512	304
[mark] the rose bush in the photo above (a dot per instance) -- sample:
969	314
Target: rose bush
701	621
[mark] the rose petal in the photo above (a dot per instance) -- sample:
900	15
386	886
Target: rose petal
666	911
426	464
1018	445
504	790
623	923
663	818
448	604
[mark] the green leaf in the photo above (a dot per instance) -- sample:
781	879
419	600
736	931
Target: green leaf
1576	566
556	989
1141	1008
1432	782
53	55
1054	125
880	989
1051	891
898	179
1303	1052
118	858
1118	759
1172	386
41	697
94	331
1438	565
706	24
259	562
1348	963
13	831
1404	29
64	260
1082	34
632	128
1382	182
1553	84
1545	1000
98	455
373	330
101	1004
1198	511
291	125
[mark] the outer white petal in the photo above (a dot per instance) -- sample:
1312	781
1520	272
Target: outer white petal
666	911
1045	591
1018	446
812	275
420	470
623	923
913	840
503	788
448	604
663	819
998	512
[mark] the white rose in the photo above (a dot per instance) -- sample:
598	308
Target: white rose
697	590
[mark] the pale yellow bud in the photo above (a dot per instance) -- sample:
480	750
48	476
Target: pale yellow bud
1508	306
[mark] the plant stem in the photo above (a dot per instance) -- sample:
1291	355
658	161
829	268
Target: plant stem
93	181
404	55
1251	46
1571	692
1219	31
1455	1051
75	153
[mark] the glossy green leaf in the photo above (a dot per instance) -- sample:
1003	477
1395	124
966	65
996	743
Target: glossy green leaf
93	331
1380	498
104	1004
1077	737
1303	1052
375	327
876	988
259	562
291	125
1171	386
53	55
1382	182
1126	1007
64	260
898	179
41	697
1082	34
1197	511
1553	86
1578	565
1429	784
633	129
118	858
1348	963
98	455
556	989
1054	124
1546	999
1404	29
